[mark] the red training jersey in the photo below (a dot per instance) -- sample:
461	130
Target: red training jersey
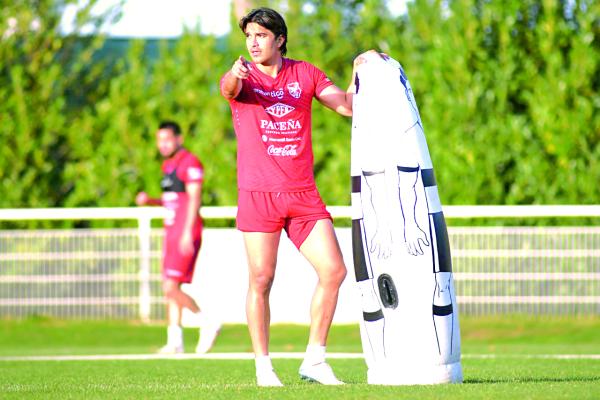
179	170
272	120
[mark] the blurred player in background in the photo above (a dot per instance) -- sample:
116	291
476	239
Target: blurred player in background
181	195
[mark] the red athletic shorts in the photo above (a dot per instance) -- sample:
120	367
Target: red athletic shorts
176	266
296	212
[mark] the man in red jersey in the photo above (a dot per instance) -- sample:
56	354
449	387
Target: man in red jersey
182	187
270	99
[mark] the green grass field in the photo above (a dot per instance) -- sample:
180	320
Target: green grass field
503	358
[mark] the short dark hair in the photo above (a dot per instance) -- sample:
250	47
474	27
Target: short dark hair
269	19
172	126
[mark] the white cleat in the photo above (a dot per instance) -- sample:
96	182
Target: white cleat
268	379
319	373
208	334
170	349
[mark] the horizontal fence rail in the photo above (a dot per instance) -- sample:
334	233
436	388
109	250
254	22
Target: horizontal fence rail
229	212
115	273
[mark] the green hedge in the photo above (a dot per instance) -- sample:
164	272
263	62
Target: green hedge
509	94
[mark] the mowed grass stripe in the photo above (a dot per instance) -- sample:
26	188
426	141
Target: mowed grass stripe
504	334
250	356
503	379
505	358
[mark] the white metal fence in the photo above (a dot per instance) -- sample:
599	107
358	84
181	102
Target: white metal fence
115	273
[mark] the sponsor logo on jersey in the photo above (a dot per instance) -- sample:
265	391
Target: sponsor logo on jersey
169	200
279	110
282	139
286	151
281	127
194	173
294	89
169	196
278	94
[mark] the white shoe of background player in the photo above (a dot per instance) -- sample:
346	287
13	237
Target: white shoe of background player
320	373
170	349
208	334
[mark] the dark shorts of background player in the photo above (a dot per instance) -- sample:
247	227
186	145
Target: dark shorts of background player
177	266
295	212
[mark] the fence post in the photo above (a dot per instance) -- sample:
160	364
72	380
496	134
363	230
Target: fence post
144	230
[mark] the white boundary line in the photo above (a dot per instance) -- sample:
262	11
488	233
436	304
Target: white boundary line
283	355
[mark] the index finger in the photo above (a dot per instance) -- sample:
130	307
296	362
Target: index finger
243	61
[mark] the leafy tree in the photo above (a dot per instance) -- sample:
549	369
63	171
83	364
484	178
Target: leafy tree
45	78
509	93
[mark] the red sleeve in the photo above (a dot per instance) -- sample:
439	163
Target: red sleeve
190	170
320	80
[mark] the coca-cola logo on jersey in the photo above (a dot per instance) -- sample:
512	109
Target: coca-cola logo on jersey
285	151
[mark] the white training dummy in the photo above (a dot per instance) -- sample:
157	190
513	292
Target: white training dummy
410	331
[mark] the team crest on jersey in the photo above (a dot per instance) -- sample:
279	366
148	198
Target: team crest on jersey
294	89
279	110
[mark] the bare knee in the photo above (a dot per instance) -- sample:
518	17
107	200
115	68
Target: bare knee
261	282
334	277
340	274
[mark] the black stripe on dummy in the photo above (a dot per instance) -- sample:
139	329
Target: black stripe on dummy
428	177
356	184
434	260
371	173
358	254
373	316
443	244
407	169
442	311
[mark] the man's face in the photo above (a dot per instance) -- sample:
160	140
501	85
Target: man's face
261	43
167	142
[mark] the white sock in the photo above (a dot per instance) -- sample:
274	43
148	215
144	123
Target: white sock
263	363
174	335
315	354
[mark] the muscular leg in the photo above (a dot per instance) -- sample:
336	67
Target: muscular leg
173	313
322	250
261	249
176	301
